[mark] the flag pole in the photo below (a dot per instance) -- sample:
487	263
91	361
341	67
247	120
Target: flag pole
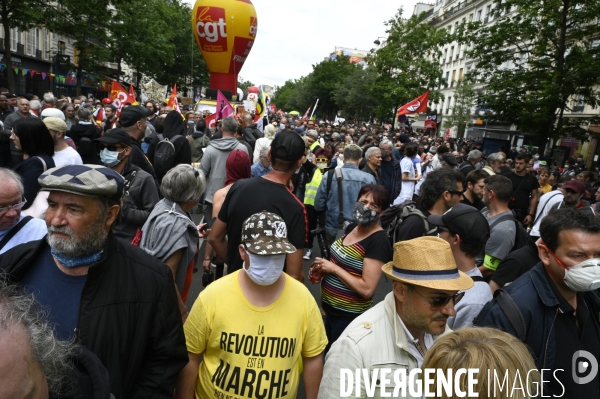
313	110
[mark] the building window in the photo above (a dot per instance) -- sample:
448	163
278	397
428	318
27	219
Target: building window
478	16
470	17
453	78
458	52
579	105
451	53
460	74
448	108
47	41
14	39
447	78
33	42
445	56
62	47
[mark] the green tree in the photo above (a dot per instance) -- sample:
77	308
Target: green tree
134	39
80	21
188	68
283	93
407	63
464	99
533	59
22	15
355	95
322	83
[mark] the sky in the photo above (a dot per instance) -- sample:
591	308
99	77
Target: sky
294	35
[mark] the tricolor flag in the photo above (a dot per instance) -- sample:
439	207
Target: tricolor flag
305	117
417	105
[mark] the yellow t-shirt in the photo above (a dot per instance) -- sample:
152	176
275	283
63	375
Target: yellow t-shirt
546	188
250	351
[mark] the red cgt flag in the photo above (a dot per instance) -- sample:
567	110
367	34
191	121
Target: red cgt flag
119	96
173	103
419	104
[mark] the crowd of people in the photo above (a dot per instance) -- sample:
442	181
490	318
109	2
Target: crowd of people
494	258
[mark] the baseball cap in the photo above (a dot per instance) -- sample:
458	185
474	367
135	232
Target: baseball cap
464	220
115	136
132	114
265	233
52	112
575	185
86	180
287	146
449	159
56	124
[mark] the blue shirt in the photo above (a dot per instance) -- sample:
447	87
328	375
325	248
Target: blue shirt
57	292
258	169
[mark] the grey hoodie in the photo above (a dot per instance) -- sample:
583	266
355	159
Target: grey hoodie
213	163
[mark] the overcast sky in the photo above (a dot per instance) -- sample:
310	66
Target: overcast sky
294	35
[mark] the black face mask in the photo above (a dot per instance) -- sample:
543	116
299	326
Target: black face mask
363	215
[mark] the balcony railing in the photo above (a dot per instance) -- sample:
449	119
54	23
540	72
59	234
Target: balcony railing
578	108
20	48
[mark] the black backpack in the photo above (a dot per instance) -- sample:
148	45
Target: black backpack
392	218
521	236
164	155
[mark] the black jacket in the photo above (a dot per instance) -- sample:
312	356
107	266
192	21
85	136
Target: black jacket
138	202
251	134
30	170
173	126
91	131
539	307
128	317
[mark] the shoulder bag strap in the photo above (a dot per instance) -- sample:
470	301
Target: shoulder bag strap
14	231
329	179
501	219
339	177
43	163
541	210
512	313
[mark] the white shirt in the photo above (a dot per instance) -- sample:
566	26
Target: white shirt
412	343
546	202
65	157
408	187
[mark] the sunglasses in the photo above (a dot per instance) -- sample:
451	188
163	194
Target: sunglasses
322	160
452	192
440	302
109	147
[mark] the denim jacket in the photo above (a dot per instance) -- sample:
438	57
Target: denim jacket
352	181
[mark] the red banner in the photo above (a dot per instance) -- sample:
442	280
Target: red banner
119	96
419	104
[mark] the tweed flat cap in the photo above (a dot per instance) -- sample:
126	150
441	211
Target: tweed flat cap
86	180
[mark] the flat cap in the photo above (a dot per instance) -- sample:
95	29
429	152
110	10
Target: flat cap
56	124
86	180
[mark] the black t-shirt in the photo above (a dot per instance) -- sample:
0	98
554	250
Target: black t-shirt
522	188
574	331
516	264
249	196
477	204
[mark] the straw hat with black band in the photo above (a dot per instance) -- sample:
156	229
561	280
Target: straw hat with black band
427	262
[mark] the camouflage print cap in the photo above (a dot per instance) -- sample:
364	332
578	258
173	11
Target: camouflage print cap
265	233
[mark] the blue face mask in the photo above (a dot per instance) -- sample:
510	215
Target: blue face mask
109	158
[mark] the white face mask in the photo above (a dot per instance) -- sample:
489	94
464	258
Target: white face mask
584	276
264	269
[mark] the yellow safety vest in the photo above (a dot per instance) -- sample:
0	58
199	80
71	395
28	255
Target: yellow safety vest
314	145
311	188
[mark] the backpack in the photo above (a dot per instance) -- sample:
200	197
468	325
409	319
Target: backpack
197	145
392	218
521	236
86	147
164	155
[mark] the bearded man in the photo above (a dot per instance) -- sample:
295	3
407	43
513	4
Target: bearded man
113	298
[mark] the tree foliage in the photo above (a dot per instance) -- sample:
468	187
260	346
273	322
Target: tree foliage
355	94
533	59
407	63
464	99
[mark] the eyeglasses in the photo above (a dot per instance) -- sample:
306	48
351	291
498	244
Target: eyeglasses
110	147
322	160
453	192
16	207
439	302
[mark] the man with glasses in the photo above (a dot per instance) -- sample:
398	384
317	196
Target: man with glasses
397	332
467	231
16	228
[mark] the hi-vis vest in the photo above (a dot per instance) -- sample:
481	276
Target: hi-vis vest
314	145
310	193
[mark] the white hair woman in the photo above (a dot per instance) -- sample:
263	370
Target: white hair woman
169	234
263	142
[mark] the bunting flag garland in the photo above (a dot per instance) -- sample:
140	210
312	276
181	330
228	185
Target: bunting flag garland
17	70
31	73
51	77
44	75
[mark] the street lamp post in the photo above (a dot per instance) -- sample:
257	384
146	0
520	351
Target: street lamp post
377	41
